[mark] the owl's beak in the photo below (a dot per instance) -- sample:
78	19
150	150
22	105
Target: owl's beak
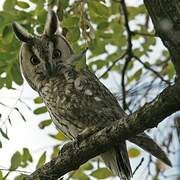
49	68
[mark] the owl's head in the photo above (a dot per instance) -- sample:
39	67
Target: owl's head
40	56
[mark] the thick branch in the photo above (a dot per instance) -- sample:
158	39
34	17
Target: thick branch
166	19
147	117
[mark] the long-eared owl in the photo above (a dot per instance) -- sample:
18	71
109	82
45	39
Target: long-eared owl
75	98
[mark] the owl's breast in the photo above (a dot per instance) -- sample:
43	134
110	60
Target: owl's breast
57	94
80	101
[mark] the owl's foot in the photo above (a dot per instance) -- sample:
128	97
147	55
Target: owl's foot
80	137
86	133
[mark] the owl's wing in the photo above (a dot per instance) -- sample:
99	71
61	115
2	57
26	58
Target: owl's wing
106	109
95	101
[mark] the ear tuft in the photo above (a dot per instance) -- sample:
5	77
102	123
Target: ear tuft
51	25
21	33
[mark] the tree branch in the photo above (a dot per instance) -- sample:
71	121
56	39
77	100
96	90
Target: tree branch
166	19
152	70
129	52
114	63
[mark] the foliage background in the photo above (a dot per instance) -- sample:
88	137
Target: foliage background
123	52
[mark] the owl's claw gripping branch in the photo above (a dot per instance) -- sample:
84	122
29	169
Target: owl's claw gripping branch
86	133
80	137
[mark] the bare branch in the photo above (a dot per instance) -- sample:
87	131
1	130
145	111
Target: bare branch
152	70
129	52
112	65
140	163
146	34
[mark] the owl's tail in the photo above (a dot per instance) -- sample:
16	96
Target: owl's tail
117	160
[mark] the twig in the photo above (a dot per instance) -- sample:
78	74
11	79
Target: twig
140	163
149	167
13	108
125	106
152	70
19	171
129	51
112	65
134	33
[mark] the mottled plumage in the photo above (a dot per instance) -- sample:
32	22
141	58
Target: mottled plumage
75	98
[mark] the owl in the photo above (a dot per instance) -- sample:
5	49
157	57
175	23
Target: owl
75	98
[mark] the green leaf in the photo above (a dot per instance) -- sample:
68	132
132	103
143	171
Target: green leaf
41	160
133	152
9	80
138	74
9	5
98	8
140	10
1	175
7	34
71	21
106	35
59	136
20	177
45	123
101	173
73	34
103	25
80	175
63	3
55	152
170	70
26	155
4	134
114	7
87	166
15	161
98	63
0	144
79	61
105	76
38	100
22	4
40	110
97	47
15	71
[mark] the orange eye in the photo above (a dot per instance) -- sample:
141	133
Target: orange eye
34	60
56	54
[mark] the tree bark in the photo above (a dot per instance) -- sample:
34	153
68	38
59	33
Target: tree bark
165	15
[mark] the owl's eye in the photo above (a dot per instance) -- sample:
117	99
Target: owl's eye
56	54
34	60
